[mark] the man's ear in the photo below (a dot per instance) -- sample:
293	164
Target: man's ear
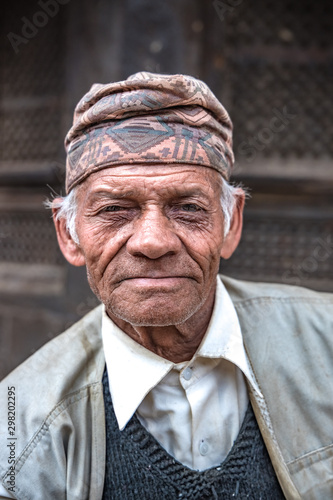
70	250
233	237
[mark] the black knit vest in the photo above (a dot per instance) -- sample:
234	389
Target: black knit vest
138	467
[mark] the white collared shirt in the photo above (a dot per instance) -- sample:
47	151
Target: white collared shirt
194	409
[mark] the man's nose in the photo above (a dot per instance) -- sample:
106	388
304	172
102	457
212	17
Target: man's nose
153	236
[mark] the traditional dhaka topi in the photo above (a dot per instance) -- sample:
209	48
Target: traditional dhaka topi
148	119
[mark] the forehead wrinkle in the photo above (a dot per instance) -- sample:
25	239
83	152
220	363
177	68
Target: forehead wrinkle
178	190
151	170
183	184
152	173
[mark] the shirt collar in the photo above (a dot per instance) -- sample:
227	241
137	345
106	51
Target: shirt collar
134	371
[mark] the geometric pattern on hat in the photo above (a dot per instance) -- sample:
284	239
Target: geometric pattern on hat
135	137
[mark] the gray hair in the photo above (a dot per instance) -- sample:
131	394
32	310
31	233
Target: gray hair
67	207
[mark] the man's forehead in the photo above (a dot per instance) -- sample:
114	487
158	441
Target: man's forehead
180	179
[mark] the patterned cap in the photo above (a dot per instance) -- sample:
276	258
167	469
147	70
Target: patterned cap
148	119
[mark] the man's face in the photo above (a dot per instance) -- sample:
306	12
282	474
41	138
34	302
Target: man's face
151	238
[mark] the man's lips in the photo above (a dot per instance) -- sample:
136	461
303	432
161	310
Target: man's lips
155	276
155	280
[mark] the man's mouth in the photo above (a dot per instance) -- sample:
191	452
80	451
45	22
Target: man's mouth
156	280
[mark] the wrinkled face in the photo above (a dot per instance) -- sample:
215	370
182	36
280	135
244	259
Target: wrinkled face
151	238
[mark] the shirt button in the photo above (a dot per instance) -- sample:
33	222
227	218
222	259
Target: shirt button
203	448
187	373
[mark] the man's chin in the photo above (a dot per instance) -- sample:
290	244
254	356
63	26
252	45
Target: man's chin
154	316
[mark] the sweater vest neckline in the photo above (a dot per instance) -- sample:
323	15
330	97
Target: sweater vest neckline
139	468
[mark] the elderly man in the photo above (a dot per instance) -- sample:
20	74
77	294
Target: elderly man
182	384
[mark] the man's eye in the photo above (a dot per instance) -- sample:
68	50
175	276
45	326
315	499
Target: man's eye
190	207
113	208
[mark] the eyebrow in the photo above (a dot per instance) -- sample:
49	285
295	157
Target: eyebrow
192	193
114	193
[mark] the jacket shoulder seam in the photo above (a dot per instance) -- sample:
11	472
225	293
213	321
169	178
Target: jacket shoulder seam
310	454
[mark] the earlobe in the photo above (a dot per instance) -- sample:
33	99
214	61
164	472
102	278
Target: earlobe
70	250
233	237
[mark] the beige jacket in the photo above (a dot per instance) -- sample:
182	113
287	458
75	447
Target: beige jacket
59	419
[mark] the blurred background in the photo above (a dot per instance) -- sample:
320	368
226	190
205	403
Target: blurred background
270	63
